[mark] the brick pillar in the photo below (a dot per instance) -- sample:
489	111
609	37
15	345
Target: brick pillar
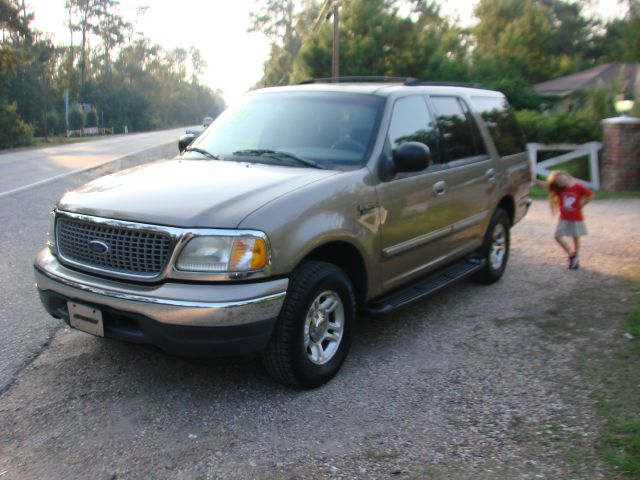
620	168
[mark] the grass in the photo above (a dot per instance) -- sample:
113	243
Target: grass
579	168
634	324
619	442
541	193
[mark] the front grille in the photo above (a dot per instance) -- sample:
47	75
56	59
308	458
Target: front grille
128	250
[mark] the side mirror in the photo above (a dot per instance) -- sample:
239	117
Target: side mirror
185	140
411	157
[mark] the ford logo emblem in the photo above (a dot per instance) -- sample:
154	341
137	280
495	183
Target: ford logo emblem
98	247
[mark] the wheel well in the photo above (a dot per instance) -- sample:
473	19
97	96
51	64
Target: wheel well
508	206
348	258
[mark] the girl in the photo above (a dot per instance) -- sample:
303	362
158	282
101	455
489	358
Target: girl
568	196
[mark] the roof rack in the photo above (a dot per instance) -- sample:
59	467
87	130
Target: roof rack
356	79
407	81
413	82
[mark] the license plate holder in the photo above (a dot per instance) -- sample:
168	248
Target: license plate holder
85	318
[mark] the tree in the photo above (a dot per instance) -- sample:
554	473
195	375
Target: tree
87	13
33	87
76	119
515	36
139	84
111	29
441	49
176	59
375	39
91	119
198	64
621	41
284	28
572	34
52	124
523	42
9	18
274	18
14	131
369	38
539	39
13	30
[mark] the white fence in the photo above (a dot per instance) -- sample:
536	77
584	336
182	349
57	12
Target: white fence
574	151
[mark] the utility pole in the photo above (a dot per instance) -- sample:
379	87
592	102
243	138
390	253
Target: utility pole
335	8
335	66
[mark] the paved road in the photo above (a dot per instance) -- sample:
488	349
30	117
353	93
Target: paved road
24	169
24	329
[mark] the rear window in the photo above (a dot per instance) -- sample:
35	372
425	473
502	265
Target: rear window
502	124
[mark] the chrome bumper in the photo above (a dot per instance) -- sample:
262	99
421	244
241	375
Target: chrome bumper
184	304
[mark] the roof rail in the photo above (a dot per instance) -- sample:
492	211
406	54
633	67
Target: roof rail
356	79
407	81
413	82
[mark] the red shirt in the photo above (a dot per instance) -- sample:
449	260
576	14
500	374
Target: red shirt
569	198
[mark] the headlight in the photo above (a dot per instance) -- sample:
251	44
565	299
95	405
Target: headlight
51	234
223	254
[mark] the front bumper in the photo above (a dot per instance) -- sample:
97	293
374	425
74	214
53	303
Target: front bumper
191	319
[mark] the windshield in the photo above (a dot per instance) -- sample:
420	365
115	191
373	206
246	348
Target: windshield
330	130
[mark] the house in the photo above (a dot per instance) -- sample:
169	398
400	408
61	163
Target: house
565	93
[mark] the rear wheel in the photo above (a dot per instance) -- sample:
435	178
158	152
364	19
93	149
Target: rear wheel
495	248
315	327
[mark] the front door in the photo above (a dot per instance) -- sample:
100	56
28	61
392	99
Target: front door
416	213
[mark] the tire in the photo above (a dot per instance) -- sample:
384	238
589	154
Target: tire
314	330
495	248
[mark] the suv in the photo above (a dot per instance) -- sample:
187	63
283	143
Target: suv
292	211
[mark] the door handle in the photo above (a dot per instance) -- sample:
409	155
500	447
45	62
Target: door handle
440	188
490	174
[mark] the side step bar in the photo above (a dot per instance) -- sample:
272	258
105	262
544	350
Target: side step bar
425	286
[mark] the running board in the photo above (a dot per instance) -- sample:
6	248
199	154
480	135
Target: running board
425	286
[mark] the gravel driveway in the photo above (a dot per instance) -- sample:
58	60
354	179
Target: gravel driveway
477	382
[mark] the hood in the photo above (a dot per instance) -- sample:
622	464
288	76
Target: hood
188	193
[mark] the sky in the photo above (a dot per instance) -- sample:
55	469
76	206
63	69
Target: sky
218	28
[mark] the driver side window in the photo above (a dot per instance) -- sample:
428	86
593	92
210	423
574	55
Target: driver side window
411	122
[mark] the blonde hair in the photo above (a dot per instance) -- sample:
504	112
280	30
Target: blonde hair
553	187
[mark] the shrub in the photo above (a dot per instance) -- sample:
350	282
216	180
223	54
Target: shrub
91	120
14	131
52	123
76	119
577	127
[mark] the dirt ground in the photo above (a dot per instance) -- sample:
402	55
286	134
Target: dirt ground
477	382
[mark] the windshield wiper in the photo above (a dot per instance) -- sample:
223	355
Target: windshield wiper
203	152
278	154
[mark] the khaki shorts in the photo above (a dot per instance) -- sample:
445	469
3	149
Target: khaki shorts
568	228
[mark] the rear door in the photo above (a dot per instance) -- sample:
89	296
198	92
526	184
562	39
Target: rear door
513	165
471	181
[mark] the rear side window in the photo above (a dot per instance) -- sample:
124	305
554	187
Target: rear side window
459	131
502	124
411	122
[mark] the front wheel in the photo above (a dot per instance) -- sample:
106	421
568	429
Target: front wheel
495	248
315	327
